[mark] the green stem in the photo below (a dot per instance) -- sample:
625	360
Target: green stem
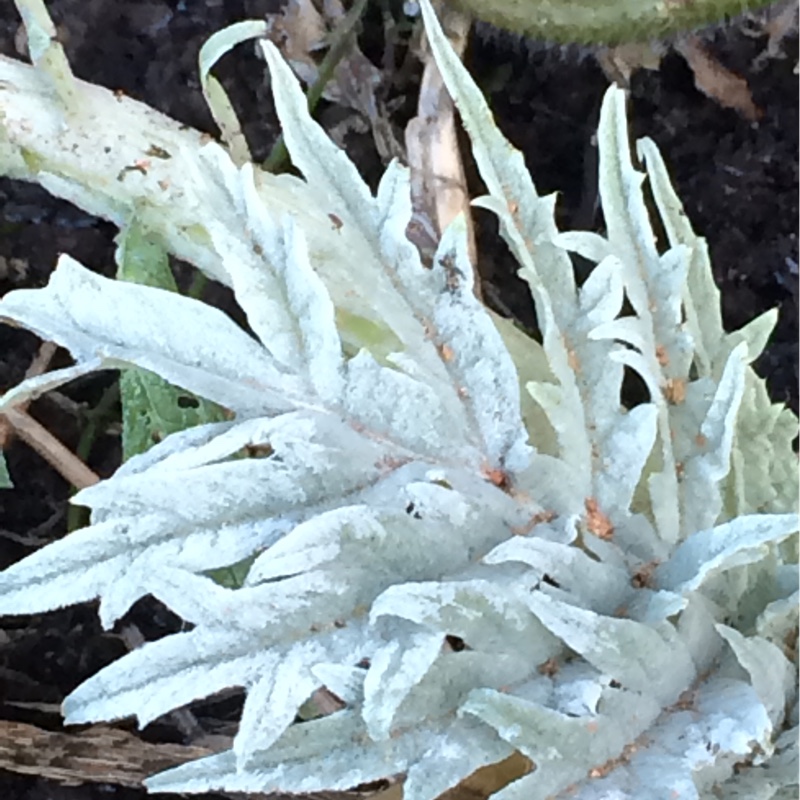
343	36
96	418
606	22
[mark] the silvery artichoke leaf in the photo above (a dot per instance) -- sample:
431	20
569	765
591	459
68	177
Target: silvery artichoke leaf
631	652
183	667
322	571
32	388
763	475
622	454
764	467
151	516
415	669
284	296
391	275
560	743
485	616
589	583
335	753
740	541
131	325
692	746
773	676
415	680
527	223
583	405
706	464
475	356
457	351
295	457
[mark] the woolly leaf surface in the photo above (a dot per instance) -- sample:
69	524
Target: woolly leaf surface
146	327
586	605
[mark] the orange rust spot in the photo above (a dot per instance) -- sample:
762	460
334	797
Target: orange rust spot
446	353
623	758
643	577
497	477
549	667
700	440
675	391
661	355
686	701
542	516
596	521
573	361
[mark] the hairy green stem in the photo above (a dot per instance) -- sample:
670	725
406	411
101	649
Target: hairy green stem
603	21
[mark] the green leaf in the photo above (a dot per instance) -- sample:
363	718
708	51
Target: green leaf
5	478
221	109
152	408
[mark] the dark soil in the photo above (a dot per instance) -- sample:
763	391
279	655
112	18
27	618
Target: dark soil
737	179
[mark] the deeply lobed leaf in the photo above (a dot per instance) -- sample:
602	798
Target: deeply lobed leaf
614	605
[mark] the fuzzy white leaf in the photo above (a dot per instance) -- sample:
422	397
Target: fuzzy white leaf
469	746
286	303
183	667
199	663
486	618
72	570
131	325
590	583
685	749
602	293
772	675
324	754
156	519
212	50
274	699
336	181
391	403
31	388
625	450
740	541
560	745
394	670
701	296
632	653
588	245
710	462
478	359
